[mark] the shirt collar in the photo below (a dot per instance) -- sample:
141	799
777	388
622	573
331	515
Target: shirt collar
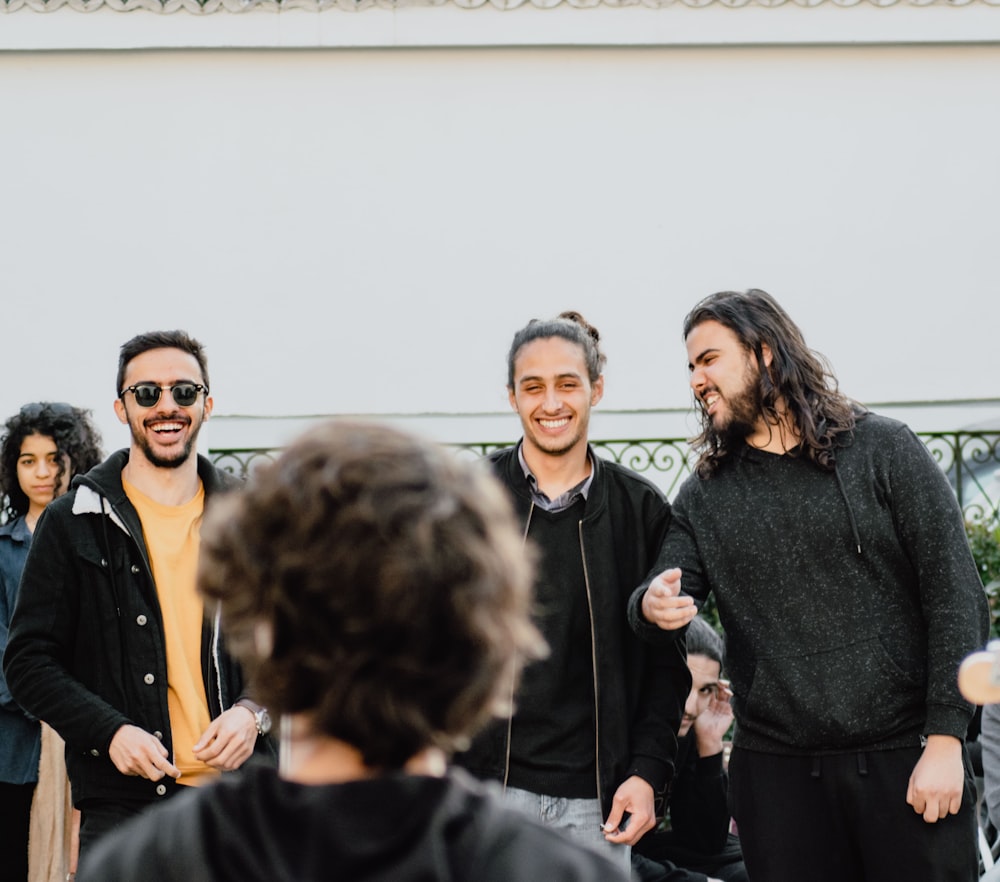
563	500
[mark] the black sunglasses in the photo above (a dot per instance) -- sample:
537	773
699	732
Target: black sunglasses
147	394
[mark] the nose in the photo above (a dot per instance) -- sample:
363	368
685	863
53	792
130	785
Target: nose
43	468
691	705
552	402
697	379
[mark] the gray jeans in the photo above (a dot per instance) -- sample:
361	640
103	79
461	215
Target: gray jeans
580	818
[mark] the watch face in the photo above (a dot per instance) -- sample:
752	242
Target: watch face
263	721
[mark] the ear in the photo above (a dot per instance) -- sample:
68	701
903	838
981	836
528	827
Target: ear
597	390
766	354
209	404
511	398
120	411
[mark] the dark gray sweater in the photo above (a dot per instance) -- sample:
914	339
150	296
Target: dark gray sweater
848	598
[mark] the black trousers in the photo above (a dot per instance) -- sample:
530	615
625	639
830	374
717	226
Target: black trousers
844	818
98	817
15	813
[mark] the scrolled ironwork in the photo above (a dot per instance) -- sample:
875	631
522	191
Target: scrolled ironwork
969	460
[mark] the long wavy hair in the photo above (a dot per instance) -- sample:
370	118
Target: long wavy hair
71	430
798	378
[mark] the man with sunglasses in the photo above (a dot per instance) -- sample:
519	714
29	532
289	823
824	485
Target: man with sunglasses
110	643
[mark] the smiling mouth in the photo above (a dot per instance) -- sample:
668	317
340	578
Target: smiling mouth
554	424
709	400
167	428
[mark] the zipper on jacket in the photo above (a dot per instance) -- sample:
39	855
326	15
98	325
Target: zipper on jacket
510	713
593	661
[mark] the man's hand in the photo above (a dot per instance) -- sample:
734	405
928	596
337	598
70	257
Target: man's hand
712	724
664	605
135	751
938	779
229	739
634	796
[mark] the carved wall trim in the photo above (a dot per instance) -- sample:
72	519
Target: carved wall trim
212	6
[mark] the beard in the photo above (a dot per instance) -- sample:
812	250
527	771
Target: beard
162	462
744	409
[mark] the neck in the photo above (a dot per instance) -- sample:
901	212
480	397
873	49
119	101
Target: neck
775	436
165	486
557	474
32	515
311	758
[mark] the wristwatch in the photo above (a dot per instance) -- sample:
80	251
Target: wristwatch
260	715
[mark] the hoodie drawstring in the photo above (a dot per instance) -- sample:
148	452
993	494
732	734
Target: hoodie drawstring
850	511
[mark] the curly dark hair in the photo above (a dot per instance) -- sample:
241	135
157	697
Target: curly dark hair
800	378
568	325
376	583
71	430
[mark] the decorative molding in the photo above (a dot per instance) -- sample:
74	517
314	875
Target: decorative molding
235	6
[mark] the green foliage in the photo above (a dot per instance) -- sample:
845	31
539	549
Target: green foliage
710	613
984	540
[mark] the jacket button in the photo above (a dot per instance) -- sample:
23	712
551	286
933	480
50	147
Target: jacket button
94	752
158	735
140	620
104	563
149	679
135	570
161	789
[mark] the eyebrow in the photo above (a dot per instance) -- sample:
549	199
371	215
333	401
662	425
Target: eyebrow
700	357
538	379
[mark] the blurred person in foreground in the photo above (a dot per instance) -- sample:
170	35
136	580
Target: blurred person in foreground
838	558
376	590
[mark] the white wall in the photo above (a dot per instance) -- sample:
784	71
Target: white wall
361	231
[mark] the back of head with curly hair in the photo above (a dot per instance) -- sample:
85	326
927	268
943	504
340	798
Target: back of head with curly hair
71	430
377	584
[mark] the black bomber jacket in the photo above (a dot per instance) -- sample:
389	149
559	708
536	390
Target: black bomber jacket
642	688
86	652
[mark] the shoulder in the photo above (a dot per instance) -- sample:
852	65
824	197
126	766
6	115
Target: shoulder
872	427
214	479
622	479
11	529
883	439
503	459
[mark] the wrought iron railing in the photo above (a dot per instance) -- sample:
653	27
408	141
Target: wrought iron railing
970	460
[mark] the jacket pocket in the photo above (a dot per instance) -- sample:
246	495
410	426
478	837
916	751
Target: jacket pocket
847	696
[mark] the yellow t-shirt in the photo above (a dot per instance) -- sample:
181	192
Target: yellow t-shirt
172	540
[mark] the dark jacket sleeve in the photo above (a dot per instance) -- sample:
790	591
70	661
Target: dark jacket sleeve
43	631
677	549
664	690
931	529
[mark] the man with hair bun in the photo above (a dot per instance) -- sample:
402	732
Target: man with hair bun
593	733
376	590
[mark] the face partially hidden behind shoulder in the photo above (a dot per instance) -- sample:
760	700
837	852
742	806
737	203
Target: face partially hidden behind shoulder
376	583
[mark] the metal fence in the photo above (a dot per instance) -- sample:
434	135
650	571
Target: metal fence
970	460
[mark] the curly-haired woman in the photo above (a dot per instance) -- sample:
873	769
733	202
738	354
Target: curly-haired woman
43	446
